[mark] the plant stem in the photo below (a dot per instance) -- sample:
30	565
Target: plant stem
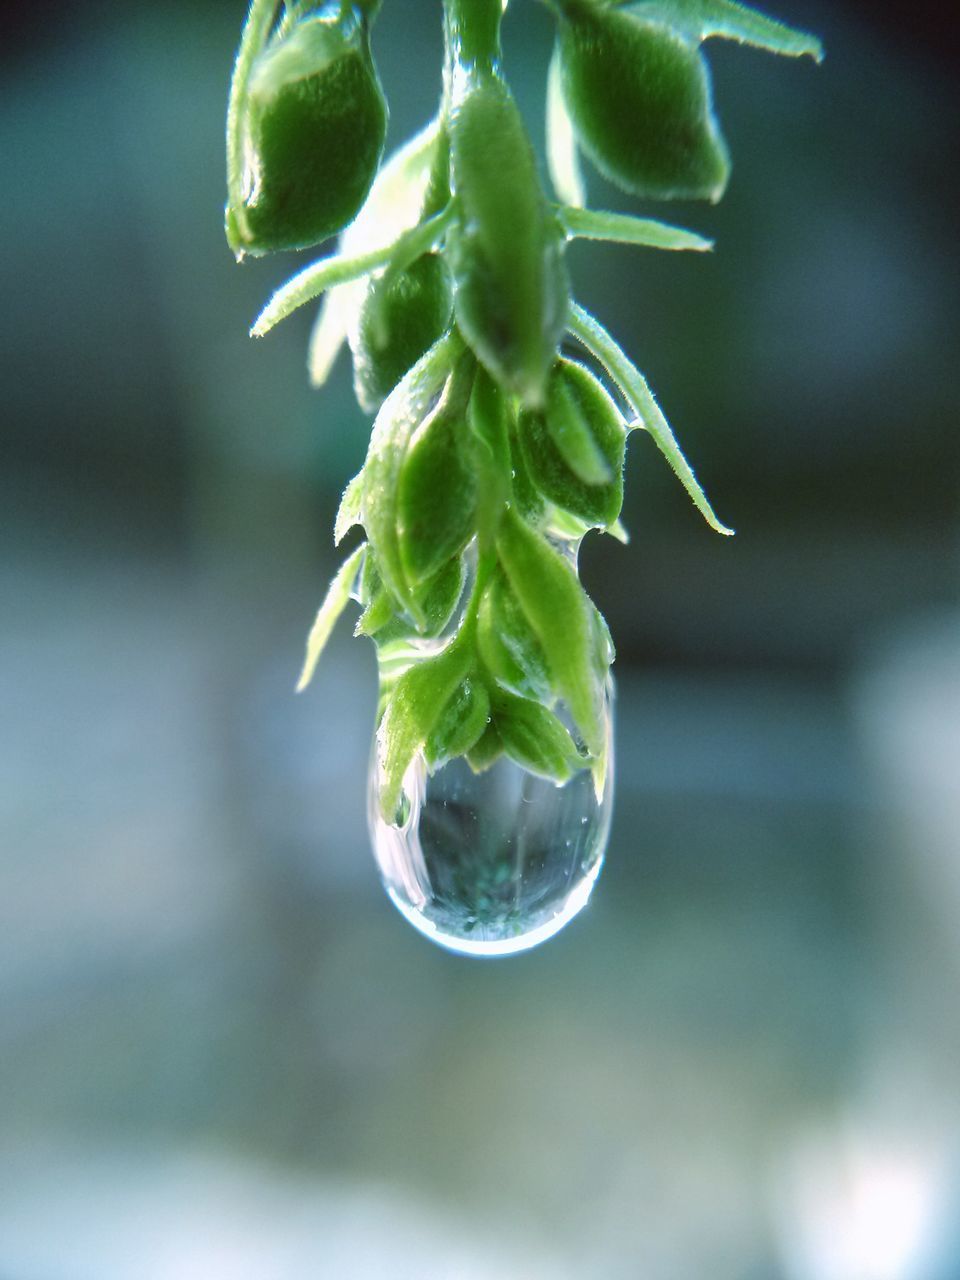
472	35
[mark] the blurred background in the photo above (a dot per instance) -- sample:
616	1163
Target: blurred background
222	1052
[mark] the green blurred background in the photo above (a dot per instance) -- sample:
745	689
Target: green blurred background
222	1052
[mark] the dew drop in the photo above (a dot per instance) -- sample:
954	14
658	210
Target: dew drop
494	863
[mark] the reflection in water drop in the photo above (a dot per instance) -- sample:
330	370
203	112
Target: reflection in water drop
490	864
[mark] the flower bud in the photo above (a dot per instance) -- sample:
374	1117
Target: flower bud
312	134
639	97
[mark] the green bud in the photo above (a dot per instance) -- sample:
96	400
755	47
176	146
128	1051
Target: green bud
313	129
506	247
639	97
402	315
574	447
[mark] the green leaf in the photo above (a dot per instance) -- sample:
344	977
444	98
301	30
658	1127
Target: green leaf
334	603
400	415
558	611
415	706
461	723
636	392
487	419
508	645
623	228
437	487
535	738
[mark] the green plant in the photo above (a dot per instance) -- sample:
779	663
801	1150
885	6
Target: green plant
491	454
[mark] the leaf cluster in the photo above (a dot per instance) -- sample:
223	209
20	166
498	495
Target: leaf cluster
492	452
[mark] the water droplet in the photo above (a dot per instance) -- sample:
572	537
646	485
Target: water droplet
493	863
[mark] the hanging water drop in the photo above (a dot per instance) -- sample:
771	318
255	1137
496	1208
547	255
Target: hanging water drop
491	863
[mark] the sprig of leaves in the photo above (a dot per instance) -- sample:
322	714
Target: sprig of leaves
491	454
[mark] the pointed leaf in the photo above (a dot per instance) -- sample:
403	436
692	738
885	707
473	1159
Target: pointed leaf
487	419
401	414
623	228
415	705
334	603
558	611
635	390
437	488
508	645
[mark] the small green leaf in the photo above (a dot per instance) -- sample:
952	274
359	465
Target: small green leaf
334	603
414	707
461	723
535	738
584	424
508	645
437	487
558	610
401	414
487	419
623	228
